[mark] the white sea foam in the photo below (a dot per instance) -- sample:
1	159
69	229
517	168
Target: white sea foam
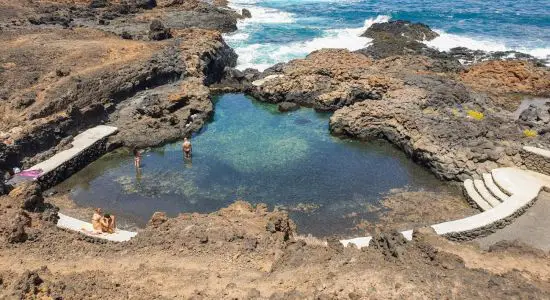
447	41
264	55
261	56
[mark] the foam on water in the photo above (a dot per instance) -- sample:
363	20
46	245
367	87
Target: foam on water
280	31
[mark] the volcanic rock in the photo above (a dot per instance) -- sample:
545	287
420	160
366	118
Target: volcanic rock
246	13
287	106
158	32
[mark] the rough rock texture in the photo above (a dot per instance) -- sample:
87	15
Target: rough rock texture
157	31
245	251
326	80
57	82
400	29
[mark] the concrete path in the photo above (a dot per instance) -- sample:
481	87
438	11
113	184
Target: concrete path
532	228
80	143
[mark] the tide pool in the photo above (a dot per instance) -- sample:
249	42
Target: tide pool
251	151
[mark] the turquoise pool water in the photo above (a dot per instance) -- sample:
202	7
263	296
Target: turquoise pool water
251	151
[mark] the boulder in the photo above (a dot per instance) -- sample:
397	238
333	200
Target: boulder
246	13
287	106
400	30
391	244
98	3
157	31
157	219
29	196
17	233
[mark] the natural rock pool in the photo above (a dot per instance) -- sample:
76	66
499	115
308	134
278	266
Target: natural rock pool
253	152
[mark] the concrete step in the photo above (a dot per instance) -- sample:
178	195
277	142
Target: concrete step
493	188
484	192
473	195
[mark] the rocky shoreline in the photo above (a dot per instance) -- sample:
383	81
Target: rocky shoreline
452	117
149	66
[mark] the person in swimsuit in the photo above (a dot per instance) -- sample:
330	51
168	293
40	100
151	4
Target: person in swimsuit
96	220
187	148
108	223
137	158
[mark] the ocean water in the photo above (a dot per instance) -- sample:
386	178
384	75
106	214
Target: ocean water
281	30
253	152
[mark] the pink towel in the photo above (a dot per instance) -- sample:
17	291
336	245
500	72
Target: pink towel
30	173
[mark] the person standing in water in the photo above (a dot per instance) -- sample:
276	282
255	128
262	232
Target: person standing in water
187	148
137	158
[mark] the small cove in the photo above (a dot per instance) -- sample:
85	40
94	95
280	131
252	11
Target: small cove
251	151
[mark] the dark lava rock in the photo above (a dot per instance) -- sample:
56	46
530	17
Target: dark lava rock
62	72
18	234
98	3
147	4
157	31
50	214
287	106
29	195
535	114
126	35
468	56
400	30
246	13
391	244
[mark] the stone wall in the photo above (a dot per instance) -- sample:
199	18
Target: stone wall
74	164
536	162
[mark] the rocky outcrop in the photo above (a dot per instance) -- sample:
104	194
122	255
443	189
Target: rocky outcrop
400	29
157	31
72	80
325	79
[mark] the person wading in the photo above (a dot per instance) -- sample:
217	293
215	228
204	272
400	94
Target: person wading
187	148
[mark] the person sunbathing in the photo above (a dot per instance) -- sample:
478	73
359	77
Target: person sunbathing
108	223
96	220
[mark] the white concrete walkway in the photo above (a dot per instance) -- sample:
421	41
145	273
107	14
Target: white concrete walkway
522	186
73	224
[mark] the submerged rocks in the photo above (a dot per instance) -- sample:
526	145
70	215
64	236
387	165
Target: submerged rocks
287	106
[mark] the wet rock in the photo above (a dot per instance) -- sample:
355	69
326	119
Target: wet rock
287	106
158	219
157	31
400	30
246	13
18	224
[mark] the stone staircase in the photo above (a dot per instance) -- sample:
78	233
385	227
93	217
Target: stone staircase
502	195
485	194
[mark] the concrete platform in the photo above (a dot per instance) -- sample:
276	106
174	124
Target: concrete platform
85	228
538	151
523	186
80	143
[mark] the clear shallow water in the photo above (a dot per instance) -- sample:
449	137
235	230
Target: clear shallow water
281	30
251	151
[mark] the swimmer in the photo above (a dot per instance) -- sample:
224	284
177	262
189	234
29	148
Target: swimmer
187	148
